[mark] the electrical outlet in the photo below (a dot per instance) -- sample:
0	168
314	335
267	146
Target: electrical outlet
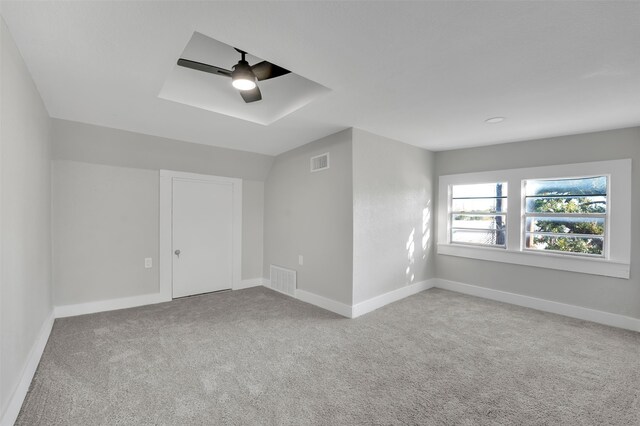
300	260
148	262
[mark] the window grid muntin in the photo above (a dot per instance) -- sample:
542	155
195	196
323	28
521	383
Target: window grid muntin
605	216
502	213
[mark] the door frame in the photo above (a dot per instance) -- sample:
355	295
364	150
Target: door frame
166	225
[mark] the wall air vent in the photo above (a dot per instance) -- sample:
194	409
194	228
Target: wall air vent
320	162
283	280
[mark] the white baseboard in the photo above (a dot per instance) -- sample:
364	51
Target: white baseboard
324	303
362	307
390	297
377	302
312	298
109	305
33	359
572	311
130	302
254	282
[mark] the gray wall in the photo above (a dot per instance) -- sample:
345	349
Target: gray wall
103	145
614	295
252	228
392	215
311	214
25	221
105	223
106	188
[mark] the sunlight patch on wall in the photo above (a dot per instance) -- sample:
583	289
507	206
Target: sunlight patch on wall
426	230
411	247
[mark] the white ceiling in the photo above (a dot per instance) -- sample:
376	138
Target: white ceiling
425	73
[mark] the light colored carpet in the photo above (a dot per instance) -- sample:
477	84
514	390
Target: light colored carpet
257	357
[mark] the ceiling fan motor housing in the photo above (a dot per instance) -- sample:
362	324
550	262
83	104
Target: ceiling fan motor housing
242	76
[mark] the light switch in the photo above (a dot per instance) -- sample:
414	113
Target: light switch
300	259
148	262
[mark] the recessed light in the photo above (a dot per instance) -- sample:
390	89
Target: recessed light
494	120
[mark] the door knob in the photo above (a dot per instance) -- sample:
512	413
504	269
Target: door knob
177	252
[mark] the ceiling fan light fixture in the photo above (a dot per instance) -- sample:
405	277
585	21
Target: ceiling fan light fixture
242	78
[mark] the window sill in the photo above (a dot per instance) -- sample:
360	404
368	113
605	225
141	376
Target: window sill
561	262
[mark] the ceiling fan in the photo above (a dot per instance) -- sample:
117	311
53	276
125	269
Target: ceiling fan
243	76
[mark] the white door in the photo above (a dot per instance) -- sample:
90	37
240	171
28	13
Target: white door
202	240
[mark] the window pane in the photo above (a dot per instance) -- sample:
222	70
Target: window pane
567	204
473	221
479	190
565	199
478	222
566	225
479	205
488	237
586	245
581	186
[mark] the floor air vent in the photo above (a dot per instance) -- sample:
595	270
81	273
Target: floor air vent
283	280
320	162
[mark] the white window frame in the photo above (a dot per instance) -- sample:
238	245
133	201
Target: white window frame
605	216
452	213
617	256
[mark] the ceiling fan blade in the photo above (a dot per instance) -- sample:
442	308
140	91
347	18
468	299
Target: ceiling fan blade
265	70
251	95
199	66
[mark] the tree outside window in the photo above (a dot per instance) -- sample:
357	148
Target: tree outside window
566	215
